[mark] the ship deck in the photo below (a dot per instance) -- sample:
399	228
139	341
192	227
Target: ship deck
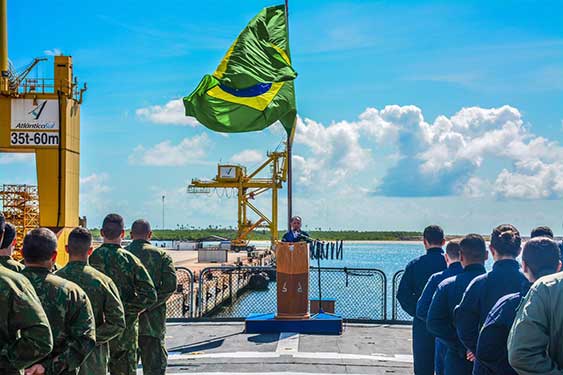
224	348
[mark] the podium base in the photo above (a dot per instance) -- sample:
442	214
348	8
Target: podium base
321	324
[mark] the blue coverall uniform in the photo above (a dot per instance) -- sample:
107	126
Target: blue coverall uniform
416	275
423	305
480	297
492	351
440	319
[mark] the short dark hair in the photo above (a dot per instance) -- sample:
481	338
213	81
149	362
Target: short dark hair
39	245
453	248
141	227
541	255
506	240
2	224
473	247
542	231
9	235
79	241
112	226
434	235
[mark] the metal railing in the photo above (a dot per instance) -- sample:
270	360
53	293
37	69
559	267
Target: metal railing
182	302
397	313
232	292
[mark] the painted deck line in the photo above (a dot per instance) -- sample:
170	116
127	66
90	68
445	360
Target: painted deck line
399	358
288	343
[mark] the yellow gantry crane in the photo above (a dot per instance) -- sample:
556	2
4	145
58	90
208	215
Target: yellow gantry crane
249	186
42	116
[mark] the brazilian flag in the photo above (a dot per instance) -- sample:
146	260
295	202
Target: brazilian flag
253	85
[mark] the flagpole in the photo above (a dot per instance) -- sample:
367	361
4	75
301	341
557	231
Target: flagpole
289	141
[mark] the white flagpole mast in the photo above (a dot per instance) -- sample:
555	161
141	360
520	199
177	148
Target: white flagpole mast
289	143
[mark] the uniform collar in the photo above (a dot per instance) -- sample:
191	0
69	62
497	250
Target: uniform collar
474	267
38	270
506	263
5	257
77	263
435	250
141	241
455	266
111	246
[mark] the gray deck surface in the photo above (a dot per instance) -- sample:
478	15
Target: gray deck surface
224	348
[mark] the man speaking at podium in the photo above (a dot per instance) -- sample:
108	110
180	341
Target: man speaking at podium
296	234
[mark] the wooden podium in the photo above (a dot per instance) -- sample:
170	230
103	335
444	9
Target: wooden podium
292	260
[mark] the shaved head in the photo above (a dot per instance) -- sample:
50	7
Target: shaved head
141	228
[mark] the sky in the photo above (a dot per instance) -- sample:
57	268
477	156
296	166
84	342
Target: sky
410	113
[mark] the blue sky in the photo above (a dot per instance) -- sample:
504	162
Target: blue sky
411	112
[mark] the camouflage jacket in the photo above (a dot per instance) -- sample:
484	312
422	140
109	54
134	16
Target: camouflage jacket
25	334
135	286
10	263
161	269
71	319
103	295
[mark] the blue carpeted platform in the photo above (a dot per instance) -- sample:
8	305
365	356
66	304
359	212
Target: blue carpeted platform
324	324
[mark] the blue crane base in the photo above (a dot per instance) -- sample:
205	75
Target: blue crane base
320	324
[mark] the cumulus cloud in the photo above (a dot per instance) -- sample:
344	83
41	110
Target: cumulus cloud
171	113
438	158
95	183
187	151
13	158
248	157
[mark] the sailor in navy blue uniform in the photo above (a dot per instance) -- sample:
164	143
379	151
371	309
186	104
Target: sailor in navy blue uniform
296	234
416	275
454	268
545	231
540	257
440	318
484	292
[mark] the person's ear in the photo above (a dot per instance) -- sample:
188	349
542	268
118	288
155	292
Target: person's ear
443	242
447	258
559	266
14	242
425	242
90	250
66	249
150	235
492	249
486	255
54	256
102	233
122	235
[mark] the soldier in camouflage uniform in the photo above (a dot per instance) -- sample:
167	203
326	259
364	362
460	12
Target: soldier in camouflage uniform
104	297
25	334
7	248
65	303
152	323
136	290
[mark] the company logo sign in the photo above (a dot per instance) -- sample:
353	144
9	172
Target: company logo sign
41	115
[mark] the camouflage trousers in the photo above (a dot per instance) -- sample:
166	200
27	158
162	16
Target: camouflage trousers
97	361
123	349
154	356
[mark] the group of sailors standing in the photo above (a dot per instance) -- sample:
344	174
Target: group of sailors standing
470	321
99	313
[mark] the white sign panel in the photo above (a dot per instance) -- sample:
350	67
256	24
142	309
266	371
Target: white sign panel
38	116
34	138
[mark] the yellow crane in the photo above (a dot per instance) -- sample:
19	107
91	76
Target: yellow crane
250	186
42	116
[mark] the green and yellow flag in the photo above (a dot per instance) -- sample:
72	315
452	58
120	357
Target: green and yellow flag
253	85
